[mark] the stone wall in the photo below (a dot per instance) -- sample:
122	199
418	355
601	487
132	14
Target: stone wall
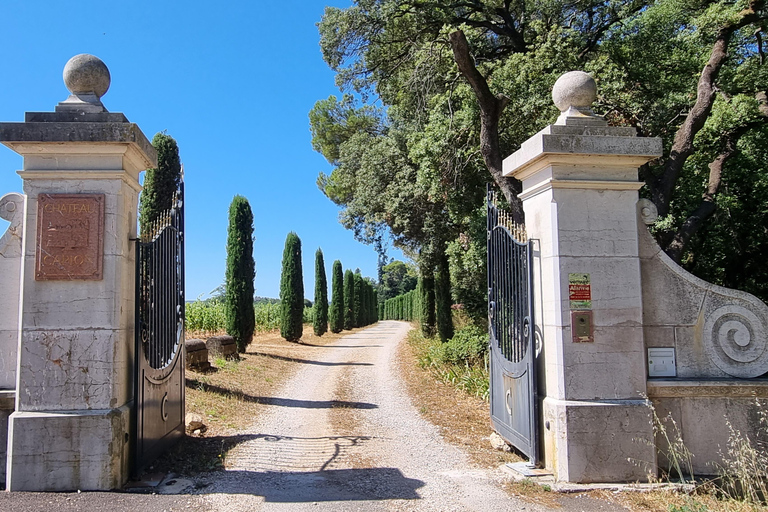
12	210
720	342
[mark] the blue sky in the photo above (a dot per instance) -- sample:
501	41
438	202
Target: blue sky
232	82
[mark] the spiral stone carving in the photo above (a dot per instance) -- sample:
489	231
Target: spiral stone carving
736	340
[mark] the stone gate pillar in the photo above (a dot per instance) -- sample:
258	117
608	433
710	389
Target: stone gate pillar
580	189
72	422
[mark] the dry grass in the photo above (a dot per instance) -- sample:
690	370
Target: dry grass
670	501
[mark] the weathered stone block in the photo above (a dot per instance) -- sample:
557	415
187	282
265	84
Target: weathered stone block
700	411
68	451
197	354
599	441
7	399
222	346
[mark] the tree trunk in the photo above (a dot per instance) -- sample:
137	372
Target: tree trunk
491	107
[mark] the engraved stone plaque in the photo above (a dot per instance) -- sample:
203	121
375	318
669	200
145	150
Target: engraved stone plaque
70	237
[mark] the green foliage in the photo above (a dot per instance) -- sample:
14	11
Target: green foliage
320	320
349	300
359	302
308	315
209	316
469	346
333	121
690	506
291	290
397	278
240	273
426	293
431	354
405	149
337	299
467	257
160	184
443	301
403	307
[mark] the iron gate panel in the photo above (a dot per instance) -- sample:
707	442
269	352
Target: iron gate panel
160	311
511	322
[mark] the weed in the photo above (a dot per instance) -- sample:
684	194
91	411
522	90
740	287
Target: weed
744	471
690	505
459	362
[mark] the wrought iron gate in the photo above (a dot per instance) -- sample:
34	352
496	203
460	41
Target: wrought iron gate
513	351
159	383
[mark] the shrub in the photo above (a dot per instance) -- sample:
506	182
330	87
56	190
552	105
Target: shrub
468	346
240	273
320	320
291	290
431	354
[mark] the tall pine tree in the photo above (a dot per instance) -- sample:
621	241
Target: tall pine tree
349	300
240	272
320	322
291	290
336	314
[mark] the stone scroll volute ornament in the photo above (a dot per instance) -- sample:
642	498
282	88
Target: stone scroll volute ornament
12	210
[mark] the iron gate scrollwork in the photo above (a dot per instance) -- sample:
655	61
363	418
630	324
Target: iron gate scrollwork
160	315
511	325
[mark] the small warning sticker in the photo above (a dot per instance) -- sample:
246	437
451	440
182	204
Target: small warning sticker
579	291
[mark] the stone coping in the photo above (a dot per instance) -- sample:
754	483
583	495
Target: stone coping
7	399
712	388
115	132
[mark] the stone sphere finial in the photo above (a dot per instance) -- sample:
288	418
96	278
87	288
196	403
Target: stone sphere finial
574	89
86	74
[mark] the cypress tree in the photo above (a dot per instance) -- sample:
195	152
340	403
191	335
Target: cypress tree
291	290
349	300
371	305
443	299
240	272
368	303
161	183
320	322
337	298
427	302
358	302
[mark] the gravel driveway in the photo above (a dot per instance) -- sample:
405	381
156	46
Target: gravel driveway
348	439
342	435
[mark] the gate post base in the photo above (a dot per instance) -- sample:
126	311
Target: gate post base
69	450
599	440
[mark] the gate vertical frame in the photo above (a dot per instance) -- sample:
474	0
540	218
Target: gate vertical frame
510	275
164	365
